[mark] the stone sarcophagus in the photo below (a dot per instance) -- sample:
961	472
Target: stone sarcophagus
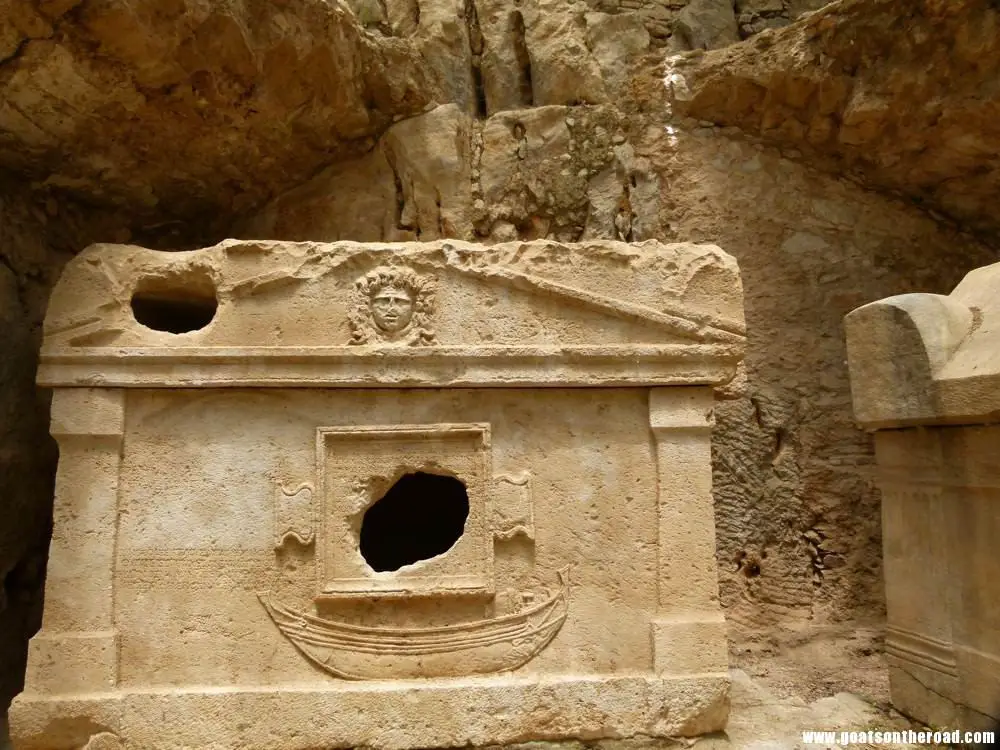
395	496
925	377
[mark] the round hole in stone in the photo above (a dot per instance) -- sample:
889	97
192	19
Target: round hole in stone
421	516
175	303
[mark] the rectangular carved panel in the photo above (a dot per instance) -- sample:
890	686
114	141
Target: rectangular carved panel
359	465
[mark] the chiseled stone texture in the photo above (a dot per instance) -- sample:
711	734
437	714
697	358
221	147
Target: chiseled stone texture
924	373
797	514
231	419
941	517
162	123
288	294
928	358
797	509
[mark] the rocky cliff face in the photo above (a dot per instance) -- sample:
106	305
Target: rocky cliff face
904	97
181	123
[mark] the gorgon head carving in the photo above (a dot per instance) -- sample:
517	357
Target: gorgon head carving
392	305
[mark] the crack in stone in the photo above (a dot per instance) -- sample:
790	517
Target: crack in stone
942	696
18	50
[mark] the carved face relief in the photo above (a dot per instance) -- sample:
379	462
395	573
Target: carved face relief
392	309
392	305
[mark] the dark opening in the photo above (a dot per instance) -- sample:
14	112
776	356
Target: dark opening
177	304
421	516
479	89
527	91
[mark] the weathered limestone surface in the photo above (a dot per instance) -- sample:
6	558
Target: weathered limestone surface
230	421
186	110
920	362
928	358
797	511
903	95
183	112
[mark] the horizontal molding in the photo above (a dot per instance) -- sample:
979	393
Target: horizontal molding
389	366
493	710
921	650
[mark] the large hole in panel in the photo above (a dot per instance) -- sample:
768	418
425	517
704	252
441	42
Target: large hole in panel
421	516
176	304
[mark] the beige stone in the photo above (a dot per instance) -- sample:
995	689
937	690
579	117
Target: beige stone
505	62
201	102
905	112
354	200
431	161
564	173
925	365
927	358
793	496
245	431
615	41
563	70
811	248
705	24
415	185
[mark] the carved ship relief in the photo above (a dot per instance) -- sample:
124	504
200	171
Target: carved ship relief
355	652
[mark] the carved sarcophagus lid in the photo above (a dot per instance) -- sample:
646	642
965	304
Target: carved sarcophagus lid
303	487
438	314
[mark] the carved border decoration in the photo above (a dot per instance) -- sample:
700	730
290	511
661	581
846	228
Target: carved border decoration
294	517
370	458
513	507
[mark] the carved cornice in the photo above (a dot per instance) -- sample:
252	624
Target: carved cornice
359	367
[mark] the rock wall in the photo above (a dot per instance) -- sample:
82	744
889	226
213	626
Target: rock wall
797	512
901	95
185	112
27	453
190	112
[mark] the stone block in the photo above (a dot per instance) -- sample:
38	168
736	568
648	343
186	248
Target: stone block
925	366
304	485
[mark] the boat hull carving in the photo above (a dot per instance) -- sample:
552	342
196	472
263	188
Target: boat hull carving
355	652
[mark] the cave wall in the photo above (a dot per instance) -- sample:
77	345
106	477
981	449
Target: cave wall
904	95
28	268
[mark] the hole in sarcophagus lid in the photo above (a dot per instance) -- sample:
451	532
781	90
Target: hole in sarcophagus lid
421	516
177	303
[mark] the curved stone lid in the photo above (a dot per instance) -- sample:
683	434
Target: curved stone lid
248	313
928	358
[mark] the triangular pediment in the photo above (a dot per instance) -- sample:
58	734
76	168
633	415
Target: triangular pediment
440	313
299	294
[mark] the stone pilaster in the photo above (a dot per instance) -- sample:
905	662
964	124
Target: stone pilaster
78	629
691	639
